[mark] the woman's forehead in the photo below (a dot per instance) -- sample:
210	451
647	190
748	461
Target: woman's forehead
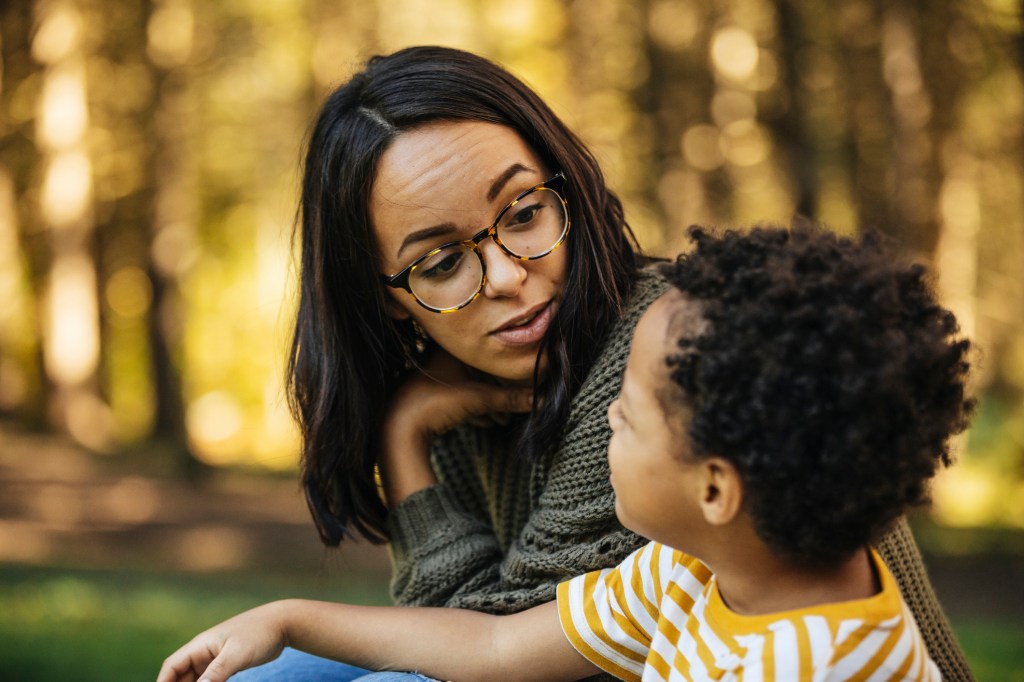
441	176
453	155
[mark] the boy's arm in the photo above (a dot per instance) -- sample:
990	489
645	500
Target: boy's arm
440	642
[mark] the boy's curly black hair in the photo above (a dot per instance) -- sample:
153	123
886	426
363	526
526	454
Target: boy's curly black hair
828	375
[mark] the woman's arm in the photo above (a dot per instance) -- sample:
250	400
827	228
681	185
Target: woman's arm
431	403
442	643
441	539
497	535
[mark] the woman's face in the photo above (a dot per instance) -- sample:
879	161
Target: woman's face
444	182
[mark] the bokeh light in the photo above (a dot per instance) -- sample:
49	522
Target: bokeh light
147	203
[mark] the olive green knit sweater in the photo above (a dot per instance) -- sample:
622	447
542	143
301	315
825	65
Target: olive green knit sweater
498	535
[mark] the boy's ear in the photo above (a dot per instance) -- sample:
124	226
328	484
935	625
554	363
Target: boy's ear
721	495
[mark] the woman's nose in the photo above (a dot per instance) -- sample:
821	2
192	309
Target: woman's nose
505	274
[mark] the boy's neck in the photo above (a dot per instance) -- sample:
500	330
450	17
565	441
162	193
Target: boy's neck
776	585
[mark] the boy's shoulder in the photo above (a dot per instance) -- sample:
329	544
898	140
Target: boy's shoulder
660	599
873	637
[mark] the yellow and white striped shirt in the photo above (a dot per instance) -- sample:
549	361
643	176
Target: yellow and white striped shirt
659	616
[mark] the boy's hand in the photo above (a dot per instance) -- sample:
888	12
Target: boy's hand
247	640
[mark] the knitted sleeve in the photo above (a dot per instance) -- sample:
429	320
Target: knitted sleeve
444	540
506	549
901	555
438	549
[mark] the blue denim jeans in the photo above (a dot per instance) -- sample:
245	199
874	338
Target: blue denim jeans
296	666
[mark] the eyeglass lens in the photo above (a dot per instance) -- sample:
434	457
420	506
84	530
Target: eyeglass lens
452	276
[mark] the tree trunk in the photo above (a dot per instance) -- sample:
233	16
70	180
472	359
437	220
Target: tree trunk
25	388
170	196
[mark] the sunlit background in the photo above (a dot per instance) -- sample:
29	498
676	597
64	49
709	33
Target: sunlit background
148	183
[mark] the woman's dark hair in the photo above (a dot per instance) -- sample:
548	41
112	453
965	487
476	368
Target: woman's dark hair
827	374
347	356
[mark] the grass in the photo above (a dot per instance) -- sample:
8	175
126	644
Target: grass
993	648
71	624
101	625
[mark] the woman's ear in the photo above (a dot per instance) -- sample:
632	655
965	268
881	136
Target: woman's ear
721	495
393	310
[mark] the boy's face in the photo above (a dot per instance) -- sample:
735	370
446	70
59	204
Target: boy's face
649	453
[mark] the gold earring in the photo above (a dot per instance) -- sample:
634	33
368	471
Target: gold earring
422	338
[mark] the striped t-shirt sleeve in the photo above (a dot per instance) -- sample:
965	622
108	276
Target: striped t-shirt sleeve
611	616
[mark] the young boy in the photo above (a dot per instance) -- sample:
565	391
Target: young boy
782	404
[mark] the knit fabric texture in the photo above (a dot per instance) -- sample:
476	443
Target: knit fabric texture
496	534
900	553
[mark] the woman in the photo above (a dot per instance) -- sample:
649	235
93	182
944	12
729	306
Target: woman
468	291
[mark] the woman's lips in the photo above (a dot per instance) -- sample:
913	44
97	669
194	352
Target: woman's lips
529	332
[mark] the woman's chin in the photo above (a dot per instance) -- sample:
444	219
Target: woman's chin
520	371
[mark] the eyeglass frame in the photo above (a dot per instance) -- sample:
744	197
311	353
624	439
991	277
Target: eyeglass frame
400	280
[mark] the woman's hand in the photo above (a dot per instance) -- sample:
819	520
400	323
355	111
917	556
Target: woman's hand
431	402
249	639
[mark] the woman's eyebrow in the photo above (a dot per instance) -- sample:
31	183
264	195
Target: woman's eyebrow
503	179
426	233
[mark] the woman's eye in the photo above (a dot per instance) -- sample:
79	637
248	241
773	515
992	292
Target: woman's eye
525	215
443	267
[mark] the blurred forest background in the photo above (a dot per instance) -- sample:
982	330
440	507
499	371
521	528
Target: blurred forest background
148	184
